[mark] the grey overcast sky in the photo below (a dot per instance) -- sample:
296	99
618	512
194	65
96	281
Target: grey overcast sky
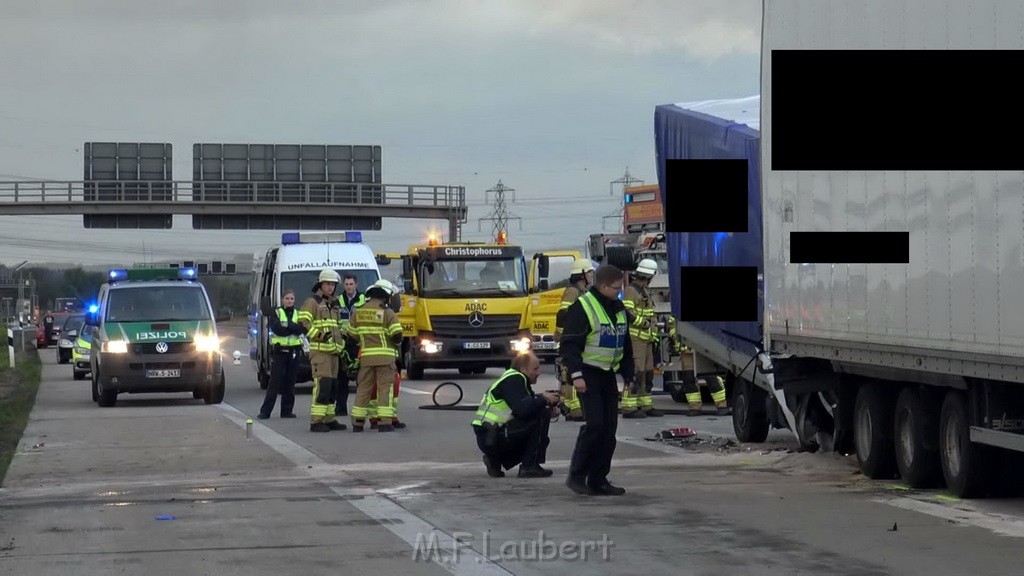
555	99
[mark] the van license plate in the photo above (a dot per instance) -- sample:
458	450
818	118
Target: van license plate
477	345
163	373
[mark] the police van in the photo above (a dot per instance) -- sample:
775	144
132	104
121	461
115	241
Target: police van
153	330
296	264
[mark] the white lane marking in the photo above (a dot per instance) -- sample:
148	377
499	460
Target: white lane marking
998	523
415	531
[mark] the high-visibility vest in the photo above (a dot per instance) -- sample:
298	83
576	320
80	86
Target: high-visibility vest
492	409
605	343
290	340
346	310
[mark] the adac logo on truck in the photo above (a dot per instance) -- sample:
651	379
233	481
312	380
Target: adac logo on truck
327	264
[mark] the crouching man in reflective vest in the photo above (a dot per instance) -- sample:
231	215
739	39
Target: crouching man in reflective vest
512	422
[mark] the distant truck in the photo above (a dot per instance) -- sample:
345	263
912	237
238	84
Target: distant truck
915	368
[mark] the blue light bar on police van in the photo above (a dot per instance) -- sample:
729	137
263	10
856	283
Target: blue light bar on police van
93	308
351	237
187	273
117	275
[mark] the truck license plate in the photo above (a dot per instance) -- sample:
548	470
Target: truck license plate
477	345
545	345
163	373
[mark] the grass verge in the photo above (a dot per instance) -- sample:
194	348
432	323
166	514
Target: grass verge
23	383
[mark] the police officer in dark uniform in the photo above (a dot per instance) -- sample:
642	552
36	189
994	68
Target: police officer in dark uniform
595	347
285	347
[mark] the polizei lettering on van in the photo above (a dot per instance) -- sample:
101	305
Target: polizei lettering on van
160	335
327	264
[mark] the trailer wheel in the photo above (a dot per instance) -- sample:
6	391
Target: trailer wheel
966	466
916	434
749	418
872	425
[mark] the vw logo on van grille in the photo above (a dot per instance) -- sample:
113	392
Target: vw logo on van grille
161	347
476	319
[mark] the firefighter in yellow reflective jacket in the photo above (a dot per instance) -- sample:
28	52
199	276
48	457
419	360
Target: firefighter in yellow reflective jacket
379	333
580	278
637	401
321	315
690	387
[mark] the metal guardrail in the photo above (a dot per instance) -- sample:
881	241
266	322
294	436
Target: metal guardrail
234	193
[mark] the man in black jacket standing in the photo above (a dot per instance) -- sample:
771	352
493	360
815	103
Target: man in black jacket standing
512	422
594	348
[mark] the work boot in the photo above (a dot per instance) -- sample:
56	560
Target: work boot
319	427
577	485
634	414
607	489
724	411
694	412
398	425
534	472
655	413
493	469
357	428
288	416
385	428
335	425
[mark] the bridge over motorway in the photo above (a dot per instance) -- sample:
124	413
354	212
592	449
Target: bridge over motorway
236	205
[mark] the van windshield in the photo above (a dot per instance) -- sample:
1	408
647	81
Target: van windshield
157	304
302	282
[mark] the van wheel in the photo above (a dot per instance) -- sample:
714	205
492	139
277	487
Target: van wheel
966	466
94	386
480	370
197	393
107	396
872	427
263	377
465	370
916	436
215	392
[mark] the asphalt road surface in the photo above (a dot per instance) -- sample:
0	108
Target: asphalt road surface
168	485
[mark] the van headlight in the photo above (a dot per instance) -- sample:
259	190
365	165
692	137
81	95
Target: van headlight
207	344
115	347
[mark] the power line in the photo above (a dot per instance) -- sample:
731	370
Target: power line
626	180
500	215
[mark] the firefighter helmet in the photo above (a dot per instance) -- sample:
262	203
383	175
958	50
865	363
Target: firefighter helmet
328	275
646	268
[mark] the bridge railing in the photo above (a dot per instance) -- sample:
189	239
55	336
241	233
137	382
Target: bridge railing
233	192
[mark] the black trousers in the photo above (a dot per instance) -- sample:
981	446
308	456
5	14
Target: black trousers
341	389
527	443
595	445
284	367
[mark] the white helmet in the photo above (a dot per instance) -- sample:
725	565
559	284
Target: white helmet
384	285
582	267
647	268
328	275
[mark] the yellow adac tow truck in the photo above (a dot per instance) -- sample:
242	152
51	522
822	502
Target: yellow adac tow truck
465	305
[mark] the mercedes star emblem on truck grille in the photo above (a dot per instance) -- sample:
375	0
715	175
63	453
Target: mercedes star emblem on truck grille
161	347
476	319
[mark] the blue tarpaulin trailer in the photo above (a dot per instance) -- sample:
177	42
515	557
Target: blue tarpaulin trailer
714	129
